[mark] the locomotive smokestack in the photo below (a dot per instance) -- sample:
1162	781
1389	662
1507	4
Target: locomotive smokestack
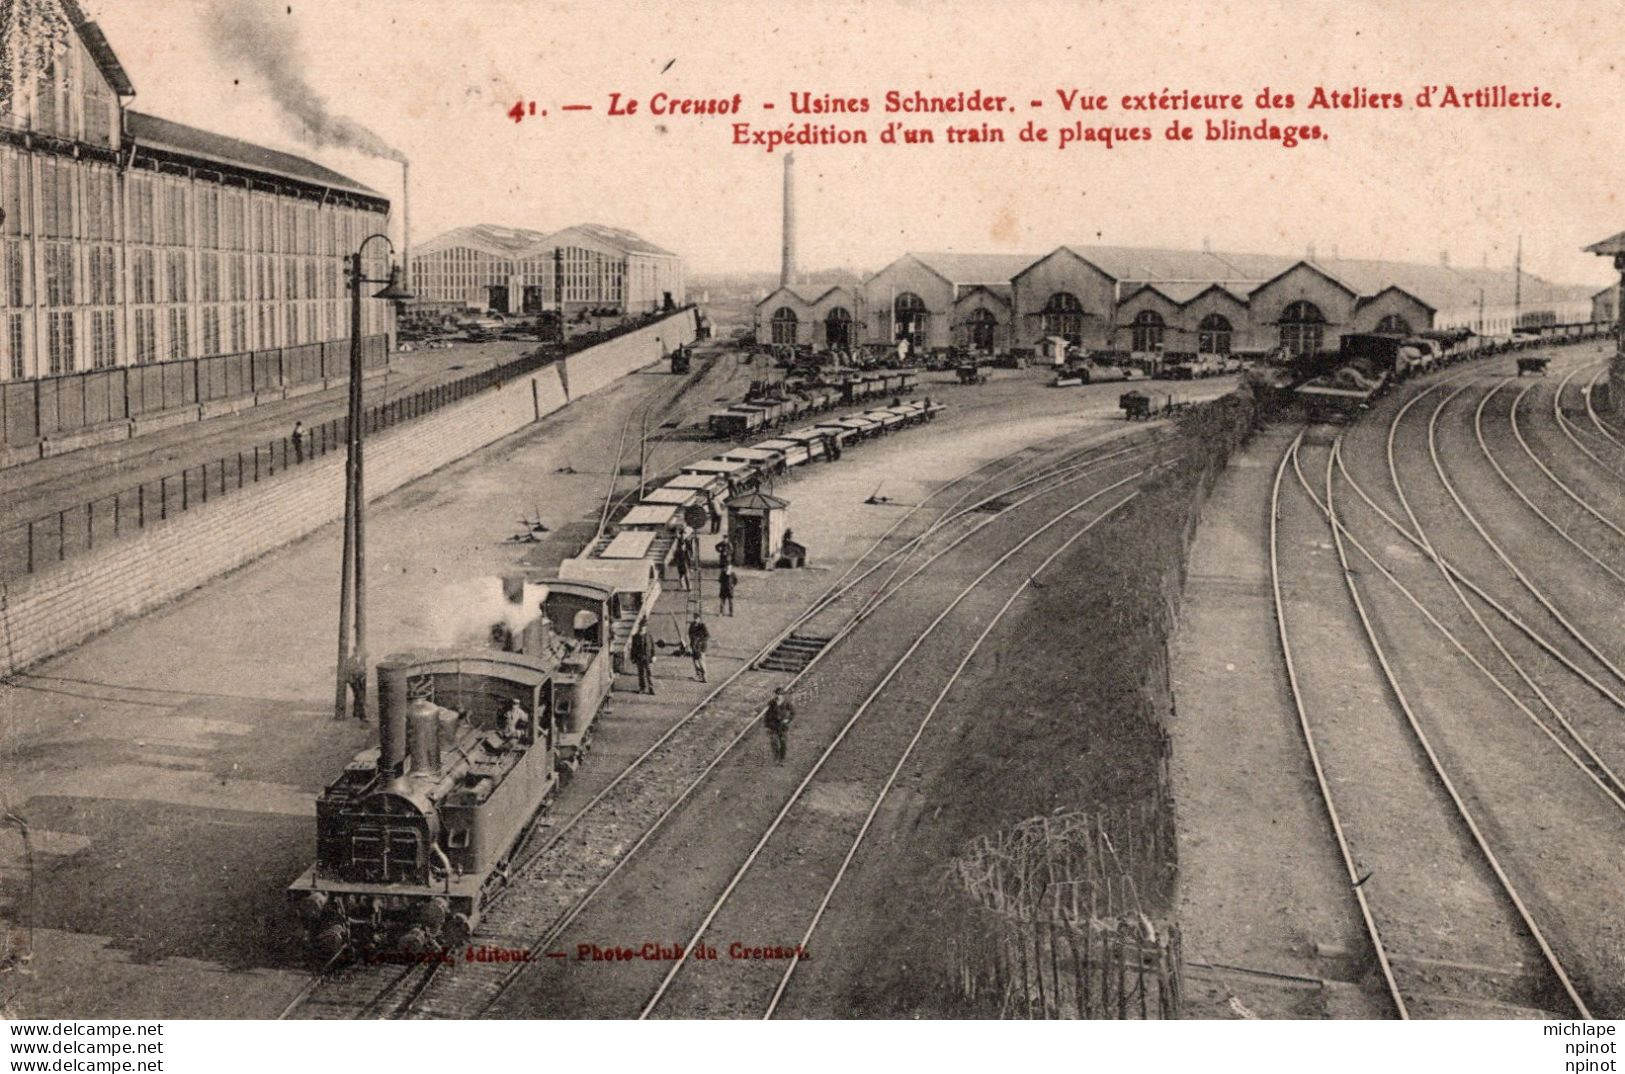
787	268
392	706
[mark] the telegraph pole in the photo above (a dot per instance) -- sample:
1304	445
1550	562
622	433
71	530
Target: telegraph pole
350	686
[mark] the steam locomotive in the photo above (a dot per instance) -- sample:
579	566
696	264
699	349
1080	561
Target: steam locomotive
417	835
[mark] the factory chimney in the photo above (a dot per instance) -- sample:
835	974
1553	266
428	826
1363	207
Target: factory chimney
787	269
406	225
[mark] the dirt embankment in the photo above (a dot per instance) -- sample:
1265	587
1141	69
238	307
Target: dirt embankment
1064	708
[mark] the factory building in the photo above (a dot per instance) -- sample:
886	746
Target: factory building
516	270
941	299
129	239
1156	301
808	313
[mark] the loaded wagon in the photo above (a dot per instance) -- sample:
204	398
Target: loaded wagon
736	421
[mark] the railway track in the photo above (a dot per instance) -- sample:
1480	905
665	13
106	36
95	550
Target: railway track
1487	691
1417	814
715	744
569	847
833	698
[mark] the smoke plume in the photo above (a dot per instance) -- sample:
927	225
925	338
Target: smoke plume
253	36
463	614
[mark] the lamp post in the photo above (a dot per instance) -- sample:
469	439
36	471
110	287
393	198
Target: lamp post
351	685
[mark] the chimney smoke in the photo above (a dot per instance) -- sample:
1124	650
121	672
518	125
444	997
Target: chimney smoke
254	37
787	268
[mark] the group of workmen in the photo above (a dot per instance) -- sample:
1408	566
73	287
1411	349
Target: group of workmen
685	559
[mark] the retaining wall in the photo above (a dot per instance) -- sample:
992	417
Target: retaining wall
56	609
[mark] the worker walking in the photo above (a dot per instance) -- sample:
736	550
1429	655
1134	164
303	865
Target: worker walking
716	516
298	441
643	657
725	590
699	639
781	712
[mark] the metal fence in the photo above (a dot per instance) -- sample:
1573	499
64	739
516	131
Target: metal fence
55	407
46	540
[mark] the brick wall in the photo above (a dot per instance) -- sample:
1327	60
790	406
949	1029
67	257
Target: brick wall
45	613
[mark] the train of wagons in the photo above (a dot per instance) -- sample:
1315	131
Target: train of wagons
1367	364
419	833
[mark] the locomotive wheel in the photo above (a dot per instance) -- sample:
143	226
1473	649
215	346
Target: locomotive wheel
457	931
331	940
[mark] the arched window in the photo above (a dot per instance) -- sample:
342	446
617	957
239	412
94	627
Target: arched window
911	318
1148	329
838	329
784	326
1303	328
1063	316
1394	325
1213	335
980	327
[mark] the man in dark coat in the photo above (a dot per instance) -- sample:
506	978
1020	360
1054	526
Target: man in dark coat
699	639
725	590
781	712
643	657
679	560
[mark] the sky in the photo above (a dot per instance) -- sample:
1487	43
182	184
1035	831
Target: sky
435	79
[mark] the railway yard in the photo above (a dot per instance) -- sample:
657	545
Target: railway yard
1425	648
1393	746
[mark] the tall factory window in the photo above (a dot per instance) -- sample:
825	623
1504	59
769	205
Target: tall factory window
292	336
1213	335
1063	316
177	226
146	336
180	332
16	345
17	290
98	206
103	265
980	328
208	217
239	329
19	210
58	274
838	328
1147	332
1394	325
60	343
784	325
98	112
211	330
208	278
911	318
143	210
103	339
178	290
1303	327
56	197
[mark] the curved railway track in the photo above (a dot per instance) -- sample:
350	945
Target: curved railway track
367	991
1405	983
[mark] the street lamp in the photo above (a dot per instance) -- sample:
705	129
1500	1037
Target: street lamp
351	684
